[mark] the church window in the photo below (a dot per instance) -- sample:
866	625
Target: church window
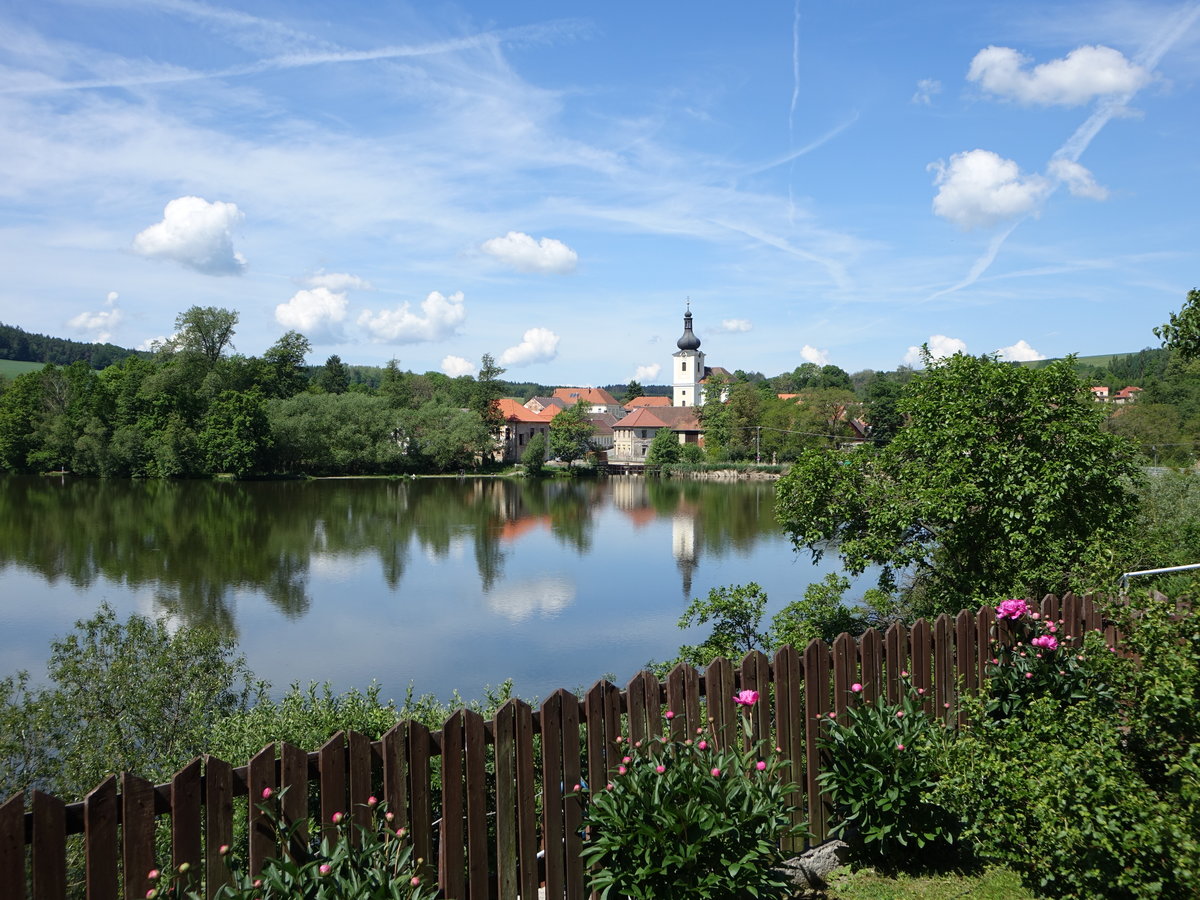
683	363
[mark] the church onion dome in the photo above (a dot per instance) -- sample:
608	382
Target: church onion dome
689	341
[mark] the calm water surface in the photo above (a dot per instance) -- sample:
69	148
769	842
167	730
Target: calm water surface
443	584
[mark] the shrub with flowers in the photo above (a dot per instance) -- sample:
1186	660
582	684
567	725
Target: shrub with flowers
882	768
380	868
1039	659
691	818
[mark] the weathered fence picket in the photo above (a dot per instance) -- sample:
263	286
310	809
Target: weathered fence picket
577	739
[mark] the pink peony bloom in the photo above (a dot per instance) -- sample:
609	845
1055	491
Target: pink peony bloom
325	868
1028	674
856	687
1012	609
660	769
703	745
1046	641
746	698
716	773
670	715
576	789
761	766
900	714
266	794
389	815
336	817
372	801
223	849
899	746
400	832
414	881
903	673
621	770
627	759
152	874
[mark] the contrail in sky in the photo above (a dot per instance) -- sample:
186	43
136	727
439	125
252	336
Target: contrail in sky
1078	142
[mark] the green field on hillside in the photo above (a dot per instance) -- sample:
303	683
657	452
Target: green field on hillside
11	368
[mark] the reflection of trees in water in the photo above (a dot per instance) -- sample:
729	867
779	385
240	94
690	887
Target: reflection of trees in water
193	544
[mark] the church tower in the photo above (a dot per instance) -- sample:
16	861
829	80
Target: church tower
688	366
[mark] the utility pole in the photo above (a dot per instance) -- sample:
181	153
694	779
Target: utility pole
757	443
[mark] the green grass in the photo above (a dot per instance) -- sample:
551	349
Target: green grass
11	368
992	884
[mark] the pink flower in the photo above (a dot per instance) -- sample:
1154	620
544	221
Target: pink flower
660	769
945	705
920	692
372	801
1036	616
832	714
703	745
688	742
152	874
670	715
151	894
856	687
761	766
716	773
899	746
1046	641
336	817
899	714
903	673
746	698
609	786
400	832
576	789
414	881
325	868
389	815
1052	629
618	739
223	849
1012	609
1028	674
266	794
621	770
627	759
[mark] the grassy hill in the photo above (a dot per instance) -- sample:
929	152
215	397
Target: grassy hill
11	368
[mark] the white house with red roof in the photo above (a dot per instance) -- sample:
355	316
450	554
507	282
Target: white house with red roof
520	425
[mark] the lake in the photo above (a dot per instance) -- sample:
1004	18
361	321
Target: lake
442	584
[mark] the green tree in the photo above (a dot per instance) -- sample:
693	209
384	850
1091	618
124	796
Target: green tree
664	449
1003	482
334	378
284	374
1181	332
634	390
206	330
122	697
236	434
534	456
571	433
486	394
883	409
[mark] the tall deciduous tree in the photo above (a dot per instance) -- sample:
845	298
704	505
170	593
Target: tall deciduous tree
206	330
1003	481
571	433
284	365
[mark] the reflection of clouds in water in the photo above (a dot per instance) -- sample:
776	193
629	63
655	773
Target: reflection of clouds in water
338	565
519	600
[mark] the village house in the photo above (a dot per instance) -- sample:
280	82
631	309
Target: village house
598	400
520	425
634	433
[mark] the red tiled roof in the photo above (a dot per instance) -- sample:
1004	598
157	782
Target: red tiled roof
638	402
595	396
513	411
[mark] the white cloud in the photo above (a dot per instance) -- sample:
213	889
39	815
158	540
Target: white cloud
939	345
99	324
525	254
537	345
1084	74
1079	180
980	188
815	356
455	366
338	281
440	316
315	313
548	596
1020	352
151	345
196	234
733	326
926	88
647	373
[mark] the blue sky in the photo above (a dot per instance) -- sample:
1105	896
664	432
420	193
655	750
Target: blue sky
826	181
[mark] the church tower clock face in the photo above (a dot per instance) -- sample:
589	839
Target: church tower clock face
688	366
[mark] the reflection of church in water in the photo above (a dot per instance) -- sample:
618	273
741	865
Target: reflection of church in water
631	495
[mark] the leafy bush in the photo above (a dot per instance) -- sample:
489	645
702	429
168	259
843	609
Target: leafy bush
691	819
1050	793
883	768
381	867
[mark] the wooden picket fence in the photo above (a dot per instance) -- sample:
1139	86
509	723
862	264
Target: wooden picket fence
504	832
